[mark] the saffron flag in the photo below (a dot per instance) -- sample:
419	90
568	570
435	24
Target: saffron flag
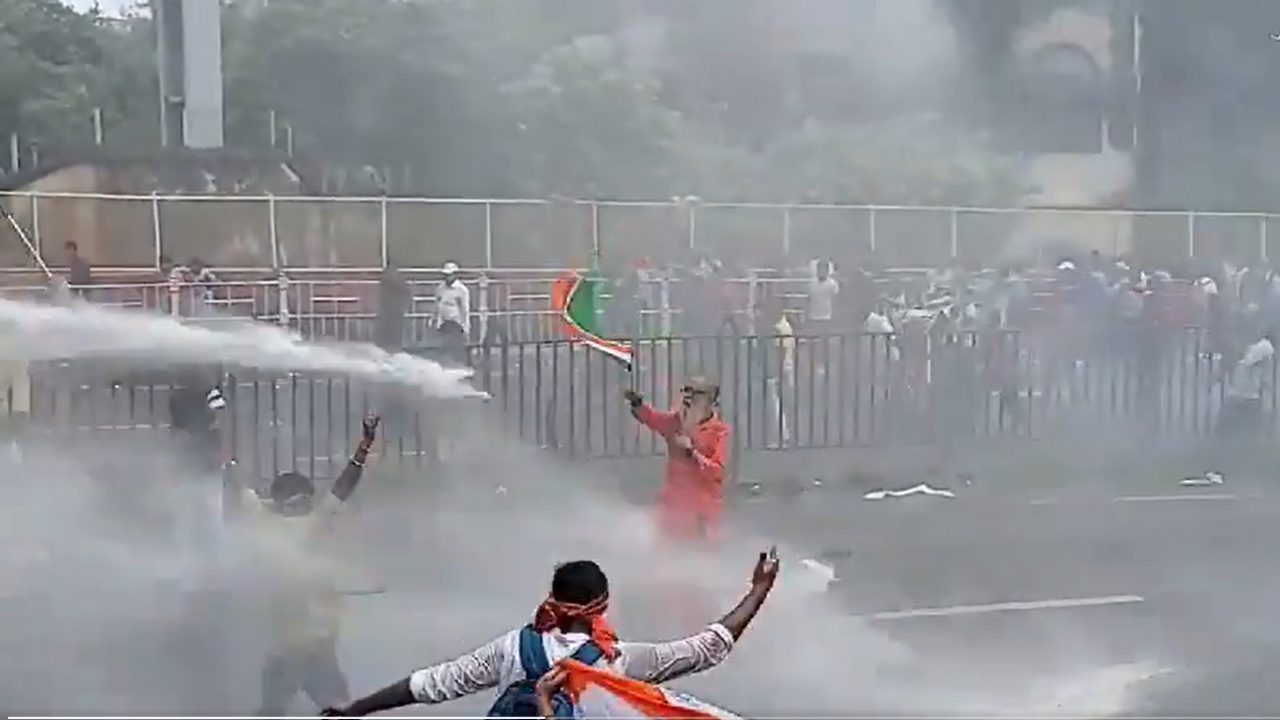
574	297
601	694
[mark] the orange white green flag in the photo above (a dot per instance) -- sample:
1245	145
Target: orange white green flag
575	299
601	694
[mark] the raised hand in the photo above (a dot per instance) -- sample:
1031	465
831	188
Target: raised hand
633	398
370	428
766	570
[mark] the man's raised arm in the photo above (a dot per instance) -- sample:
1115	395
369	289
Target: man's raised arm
663	423
351	474
660	662
478	670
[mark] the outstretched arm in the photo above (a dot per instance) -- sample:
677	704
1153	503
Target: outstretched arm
351	474
477	670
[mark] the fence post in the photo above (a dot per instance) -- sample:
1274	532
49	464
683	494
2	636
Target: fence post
664	298
155	227
488	234
753	292
693	222
35	224
282	291
482	307
273	233
955	233
382	231
1191	233
595	230
786	231
871	227
175	295
1262	238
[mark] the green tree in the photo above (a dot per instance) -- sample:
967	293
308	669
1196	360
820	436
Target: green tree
905	161
47	51
583	98
590	126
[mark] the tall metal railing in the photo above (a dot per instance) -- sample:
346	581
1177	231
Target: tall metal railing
778	394
344	233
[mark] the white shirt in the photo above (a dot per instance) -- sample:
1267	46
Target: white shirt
1251	372
787	344
877	324
453	304
822	297
497	663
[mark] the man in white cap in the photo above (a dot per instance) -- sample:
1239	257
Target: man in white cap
453	311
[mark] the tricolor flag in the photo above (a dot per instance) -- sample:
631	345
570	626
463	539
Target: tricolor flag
601	694
574	297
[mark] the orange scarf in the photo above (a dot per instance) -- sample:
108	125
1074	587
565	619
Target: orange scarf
552	614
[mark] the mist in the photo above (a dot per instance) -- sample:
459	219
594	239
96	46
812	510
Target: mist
123	588
123	593
124	584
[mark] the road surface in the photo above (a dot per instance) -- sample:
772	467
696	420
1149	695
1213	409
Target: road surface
1164	602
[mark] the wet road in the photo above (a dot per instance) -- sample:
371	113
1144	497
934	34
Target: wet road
1175	597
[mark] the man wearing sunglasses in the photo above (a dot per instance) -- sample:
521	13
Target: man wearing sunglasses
690	503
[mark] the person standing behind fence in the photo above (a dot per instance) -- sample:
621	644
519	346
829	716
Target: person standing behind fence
79	272
823	289
781	375
1241	416
394	301
196	405
453	313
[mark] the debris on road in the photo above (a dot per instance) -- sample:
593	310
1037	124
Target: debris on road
921	489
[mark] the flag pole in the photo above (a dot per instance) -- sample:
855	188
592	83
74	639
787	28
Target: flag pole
26	241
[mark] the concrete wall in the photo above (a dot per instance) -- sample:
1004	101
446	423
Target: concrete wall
49	223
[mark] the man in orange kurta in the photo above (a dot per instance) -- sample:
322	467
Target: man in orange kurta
689	506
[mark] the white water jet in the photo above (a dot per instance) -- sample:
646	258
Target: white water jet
49	332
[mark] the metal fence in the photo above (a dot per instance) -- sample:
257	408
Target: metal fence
778	394
503	309
335	233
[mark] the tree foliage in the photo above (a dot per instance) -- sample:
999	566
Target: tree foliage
600	98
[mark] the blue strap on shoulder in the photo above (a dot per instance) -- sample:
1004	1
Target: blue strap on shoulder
588	653
533	654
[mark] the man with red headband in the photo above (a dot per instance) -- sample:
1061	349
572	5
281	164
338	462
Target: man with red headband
692	496
569	624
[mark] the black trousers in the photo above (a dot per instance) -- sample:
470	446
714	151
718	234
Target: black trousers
311	669
453	341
